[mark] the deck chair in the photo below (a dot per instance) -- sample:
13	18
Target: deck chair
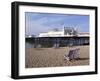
73	54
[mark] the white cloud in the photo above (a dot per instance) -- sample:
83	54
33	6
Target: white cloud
34	28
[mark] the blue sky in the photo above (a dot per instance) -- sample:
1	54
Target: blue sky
43	22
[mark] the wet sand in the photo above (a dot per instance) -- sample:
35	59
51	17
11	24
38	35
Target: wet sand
54	57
